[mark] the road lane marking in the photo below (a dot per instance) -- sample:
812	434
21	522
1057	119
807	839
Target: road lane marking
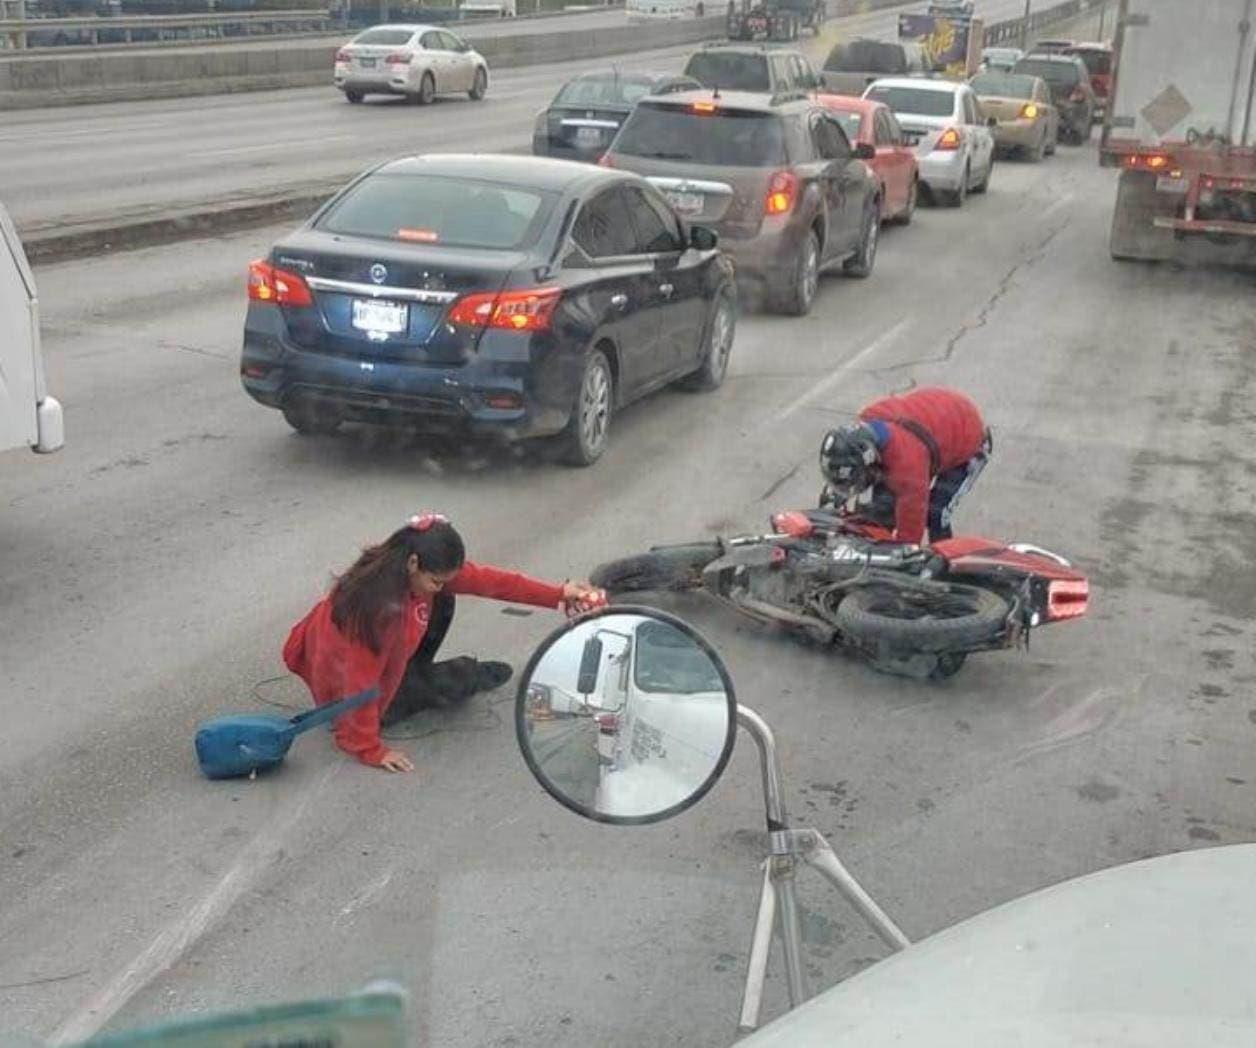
880	342
180	935
262	146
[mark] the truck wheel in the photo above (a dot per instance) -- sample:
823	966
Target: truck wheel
1134	237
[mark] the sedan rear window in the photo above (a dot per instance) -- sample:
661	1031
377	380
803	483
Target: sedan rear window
914	100
1051	72
595	91
850	122
1004	85
728	137
431	210
730	72
384	37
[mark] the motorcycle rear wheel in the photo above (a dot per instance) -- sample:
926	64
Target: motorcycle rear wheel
670	568
943	617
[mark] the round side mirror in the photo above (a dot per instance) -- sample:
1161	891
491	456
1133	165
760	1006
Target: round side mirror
626	715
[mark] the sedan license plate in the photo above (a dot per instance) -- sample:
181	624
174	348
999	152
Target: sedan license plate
687	203
366	63
1169	184
588	136
373	315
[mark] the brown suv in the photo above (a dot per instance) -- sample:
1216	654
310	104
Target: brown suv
777	178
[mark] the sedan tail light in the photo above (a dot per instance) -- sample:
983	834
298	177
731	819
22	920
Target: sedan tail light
526	310
949	140
1029	111
399	58
782	193
1067	599
268	283
343	55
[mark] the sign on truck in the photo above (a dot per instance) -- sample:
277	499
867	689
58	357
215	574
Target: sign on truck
1180	125
29	417
952	45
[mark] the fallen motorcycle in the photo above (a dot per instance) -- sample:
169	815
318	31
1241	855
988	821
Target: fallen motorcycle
838	580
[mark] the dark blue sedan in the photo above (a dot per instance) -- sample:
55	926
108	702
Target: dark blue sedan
487	295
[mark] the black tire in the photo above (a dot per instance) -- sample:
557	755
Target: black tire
668	569
427	90
720	333
904	217
984	184
309	421
800	296
354	97
956	197
1053	145
1035	155
480	86
585	438
861	263
941	617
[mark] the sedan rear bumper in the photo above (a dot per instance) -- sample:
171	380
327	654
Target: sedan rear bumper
1019	134
943	169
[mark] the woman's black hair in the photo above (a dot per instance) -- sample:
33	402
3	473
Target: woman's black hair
375	588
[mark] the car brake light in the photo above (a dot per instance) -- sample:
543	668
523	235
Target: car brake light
400	58
782	191
949	139
528	310
270	284
343	56
1029	111
1067	599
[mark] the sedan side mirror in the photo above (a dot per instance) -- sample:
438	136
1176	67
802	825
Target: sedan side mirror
992	121
702	238
865	151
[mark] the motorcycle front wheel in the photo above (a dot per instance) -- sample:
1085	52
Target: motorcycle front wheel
942	617
667	568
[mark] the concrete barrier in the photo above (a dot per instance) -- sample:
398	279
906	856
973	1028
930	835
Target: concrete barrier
45	79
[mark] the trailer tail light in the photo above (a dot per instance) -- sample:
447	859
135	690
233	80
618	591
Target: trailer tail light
1160	163
528	310
1029	111
949	140
782	192
1067	599
398	58
267	283
607	723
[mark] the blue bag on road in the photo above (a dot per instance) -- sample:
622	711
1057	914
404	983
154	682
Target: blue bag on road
242	743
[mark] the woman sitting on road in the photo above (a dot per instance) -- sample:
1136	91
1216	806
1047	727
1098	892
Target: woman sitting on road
384	620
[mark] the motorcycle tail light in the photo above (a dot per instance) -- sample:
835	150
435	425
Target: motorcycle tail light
1067	599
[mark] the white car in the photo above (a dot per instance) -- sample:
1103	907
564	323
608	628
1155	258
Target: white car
418	61
954	140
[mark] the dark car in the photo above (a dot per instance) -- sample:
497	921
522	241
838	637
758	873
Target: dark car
486	295
777	178
1071	91
589	109
1098	59
752	67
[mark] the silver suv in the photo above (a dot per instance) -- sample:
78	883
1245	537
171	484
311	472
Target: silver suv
751	67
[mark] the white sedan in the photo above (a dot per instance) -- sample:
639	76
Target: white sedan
418	61
954	140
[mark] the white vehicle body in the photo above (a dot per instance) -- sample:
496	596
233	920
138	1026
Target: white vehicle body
665	744
1153	954
646	10
29	417
498	8
938	112
419	61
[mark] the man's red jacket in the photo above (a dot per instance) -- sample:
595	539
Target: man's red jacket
333	666
955	424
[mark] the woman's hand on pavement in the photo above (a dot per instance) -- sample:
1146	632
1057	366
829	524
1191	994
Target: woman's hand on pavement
395	760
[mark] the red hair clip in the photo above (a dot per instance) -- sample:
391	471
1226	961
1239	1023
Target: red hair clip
423	521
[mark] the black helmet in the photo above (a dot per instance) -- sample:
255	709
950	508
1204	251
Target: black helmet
849	457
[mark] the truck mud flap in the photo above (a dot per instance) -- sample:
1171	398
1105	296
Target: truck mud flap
1135	237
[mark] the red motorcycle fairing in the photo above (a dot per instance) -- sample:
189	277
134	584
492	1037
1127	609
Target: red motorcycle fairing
1061	591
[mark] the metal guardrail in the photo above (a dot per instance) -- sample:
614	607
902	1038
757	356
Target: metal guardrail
1014	29
18	30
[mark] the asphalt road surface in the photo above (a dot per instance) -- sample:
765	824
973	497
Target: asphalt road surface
150	571
66	166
